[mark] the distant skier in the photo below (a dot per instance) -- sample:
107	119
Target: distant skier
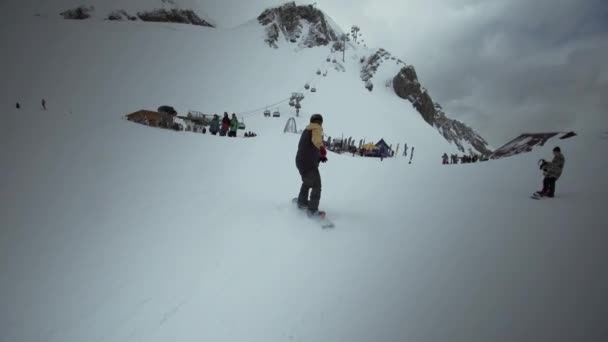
17	105
311	151
552	171
214	126
445	158
44	104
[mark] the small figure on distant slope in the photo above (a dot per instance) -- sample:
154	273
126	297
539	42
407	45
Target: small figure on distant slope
44	104
311	151
17	105
552	171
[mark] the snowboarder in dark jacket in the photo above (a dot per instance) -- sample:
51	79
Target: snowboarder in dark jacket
552	171
311	151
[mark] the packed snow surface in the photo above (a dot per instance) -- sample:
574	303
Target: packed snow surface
114	231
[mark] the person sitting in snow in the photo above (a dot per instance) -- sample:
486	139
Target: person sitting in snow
234	126
214	126
311	151
552	171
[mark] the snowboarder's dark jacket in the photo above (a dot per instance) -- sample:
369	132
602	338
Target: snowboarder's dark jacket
555	167
309	154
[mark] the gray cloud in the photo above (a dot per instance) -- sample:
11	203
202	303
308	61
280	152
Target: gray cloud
506	66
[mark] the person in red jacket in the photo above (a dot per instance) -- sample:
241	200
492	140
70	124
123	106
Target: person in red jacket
311	151
225	124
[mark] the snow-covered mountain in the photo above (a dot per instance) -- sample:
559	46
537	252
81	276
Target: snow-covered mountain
303	27
115	231
307	26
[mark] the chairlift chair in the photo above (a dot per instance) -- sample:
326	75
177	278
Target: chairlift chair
267	113
276	114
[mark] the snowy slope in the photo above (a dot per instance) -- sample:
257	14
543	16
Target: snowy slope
113	231
201	72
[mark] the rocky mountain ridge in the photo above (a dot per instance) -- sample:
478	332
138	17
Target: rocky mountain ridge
167	11
309	27
305	25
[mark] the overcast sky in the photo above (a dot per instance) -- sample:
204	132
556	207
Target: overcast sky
503	66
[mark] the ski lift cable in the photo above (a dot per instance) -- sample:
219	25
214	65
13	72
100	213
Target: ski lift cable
251	112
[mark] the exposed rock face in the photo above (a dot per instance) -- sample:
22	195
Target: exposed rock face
304	25
527	142
407	86
371	65
121	15
173	16
78	13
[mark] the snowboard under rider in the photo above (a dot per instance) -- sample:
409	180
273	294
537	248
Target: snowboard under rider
552	171
311	151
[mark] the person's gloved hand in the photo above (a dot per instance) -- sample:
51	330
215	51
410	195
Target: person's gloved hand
542	163
323	154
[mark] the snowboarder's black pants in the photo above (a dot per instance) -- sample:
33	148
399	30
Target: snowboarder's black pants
549	186
311	179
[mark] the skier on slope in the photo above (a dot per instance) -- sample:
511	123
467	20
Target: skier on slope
552	171
311	151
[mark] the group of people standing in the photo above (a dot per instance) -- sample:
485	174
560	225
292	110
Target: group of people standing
227	126
455	159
